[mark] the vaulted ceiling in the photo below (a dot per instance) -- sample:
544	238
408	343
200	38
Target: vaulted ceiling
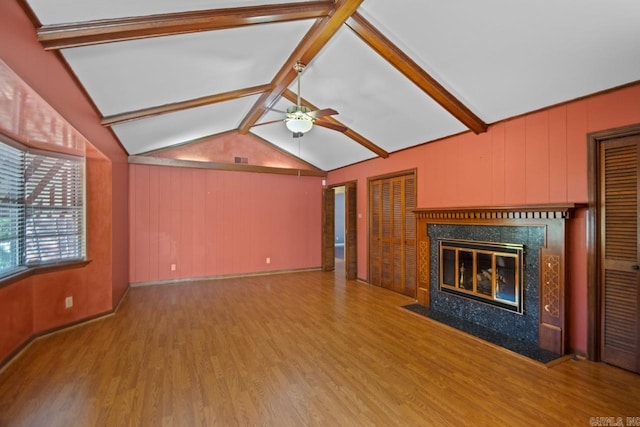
164	73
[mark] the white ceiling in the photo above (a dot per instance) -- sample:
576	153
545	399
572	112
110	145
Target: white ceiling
500	58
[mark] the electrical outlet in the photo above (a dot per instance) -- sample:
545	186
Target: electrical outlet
268	260
68	302
173	267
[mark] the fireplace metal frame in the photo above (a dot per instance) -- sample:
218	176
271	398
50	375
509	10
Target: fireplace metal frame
477	275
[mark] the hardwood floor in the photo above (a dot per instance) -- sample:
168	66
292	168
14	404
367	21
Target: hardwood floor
297	349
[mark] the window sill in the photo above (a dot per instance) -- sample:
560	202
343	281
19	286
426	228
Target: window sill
30	271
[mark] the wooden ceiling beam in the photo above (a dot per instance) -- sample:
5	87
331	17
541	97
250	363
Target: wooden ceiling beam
62	36
182	105
403	63
348	132
315	39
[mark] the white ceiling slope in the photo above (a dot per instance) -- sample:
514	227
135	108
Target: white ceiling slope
495	58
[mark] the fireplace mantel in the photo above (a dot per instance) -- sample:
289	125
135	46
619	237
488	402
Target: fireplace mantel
552	275
563	211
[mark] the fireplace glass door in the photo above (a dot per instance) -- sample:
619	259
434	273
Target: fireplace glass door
485	271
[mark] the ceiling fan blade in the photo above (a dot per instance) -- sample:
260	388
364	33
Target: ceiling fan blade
268	123
331	125
322	113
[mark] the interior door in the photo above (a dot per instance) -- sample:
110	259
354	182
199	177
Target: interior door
328	230
409	242
619	276
392	233
351	231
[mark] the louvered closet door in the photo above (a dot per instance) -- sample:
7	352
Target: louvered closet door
620	279
375	234
409	237
392	234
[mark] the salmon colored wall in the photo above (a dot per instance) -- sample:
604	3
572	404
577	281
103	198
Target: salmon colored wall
90	286
16	316
214	223
225	148
537	158
44	72
36	304
117	191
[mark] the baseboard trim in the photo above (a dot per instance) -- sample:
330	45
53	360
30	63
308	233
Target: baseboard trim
18	351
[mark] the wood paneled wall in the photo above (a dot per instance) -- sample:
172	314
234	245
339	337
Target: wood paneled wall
215	223
537	158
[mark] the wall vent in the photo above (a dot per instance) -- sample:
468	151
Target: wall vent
243	160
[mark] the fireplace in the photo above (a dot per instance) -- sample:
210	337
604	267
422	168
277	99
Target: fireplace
471	298
500	268
487	272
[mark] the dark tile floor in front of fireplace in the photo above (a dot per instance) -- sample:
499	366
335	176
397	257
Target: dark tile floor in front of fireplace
523	348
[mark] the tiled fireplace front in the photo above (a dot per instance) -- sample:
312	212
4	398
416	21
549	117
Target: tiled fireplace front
464	305
471	291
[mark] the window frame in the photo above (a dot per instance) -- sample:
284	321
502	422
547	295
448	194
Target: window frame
73	213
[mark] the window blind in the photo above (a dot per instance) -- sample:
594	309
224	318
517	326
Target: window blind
54	208
11	208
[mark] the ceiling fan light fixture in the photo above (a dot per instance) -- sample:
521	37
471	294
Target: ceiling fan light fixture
299	124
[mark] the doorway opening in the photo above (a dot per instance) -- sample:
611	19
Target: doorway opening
339	228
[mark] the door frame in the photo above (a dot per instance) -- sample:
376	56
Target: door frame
414	172
328	229
594	294
350	223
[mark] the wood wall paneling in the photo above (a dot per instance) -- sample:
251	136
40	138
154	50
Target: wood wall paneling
473	154
199	215
115	187
498	166
613	110
537	154
557	154
577	286
515	163
215	223
577	128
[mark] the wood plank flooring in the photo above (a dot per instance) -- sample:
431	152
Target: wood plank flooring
302	349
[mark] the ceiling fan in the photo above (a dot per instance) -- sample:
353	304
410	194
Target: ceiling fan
300	119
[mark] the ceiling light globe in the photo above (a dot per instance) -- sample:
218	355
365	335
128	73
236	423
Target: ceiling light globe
299	125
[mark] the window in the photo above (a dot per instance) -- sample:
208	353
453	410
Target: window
11	208
41	208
